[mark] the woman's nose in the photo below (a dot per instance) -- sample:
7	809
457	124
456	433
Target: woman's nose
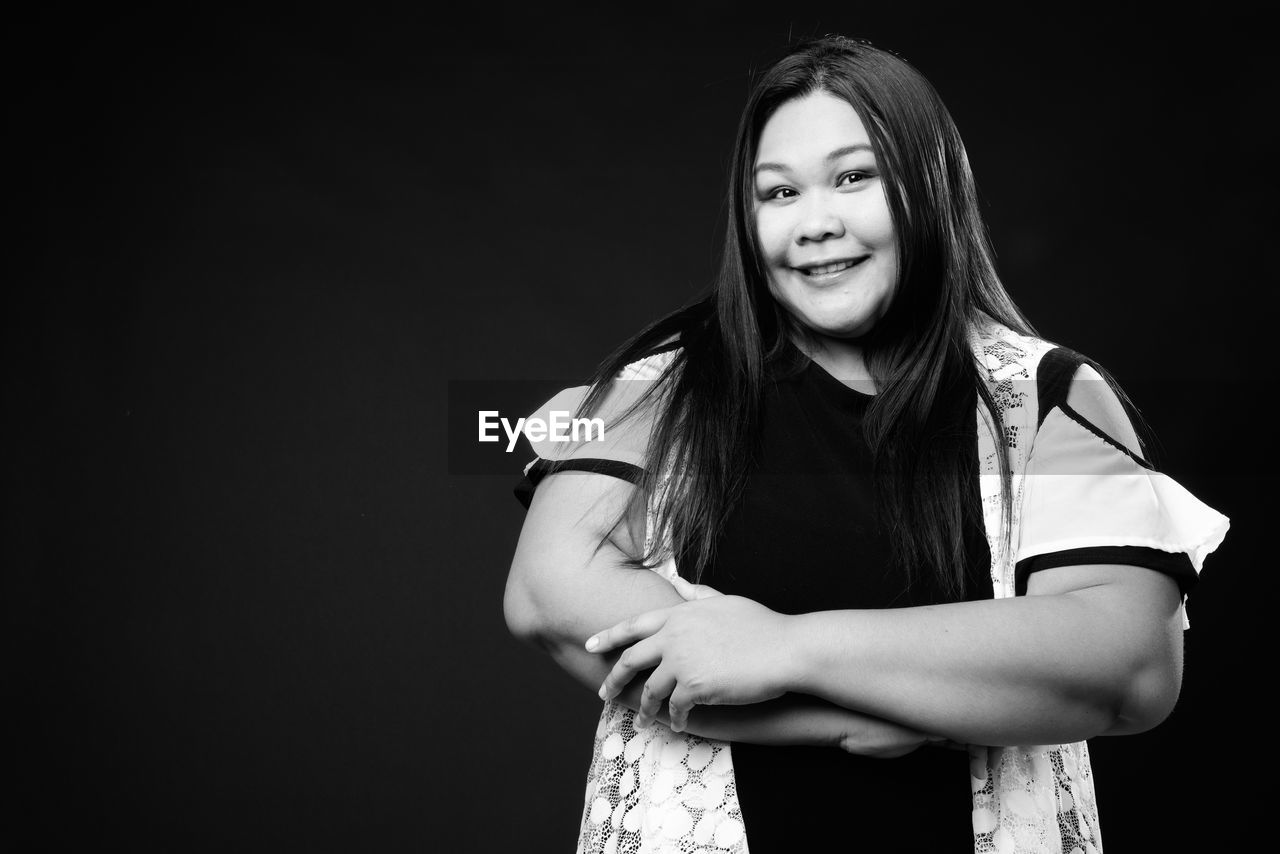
819	221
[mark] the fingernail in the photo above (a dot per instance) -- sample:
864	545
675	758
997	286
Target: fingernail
641	723
603	693
592	643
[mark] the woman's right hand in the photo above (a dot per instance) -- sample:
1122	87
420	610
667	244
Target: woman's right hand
855	733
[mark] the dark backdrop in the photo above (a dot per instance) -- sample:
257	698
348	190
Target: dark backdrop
257	602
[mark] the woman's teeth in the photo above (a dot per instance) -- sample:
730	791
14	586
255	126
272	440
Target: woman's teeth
827	268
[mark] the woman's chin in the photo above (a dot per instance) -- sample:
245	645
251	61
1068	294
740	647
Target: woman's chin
846	331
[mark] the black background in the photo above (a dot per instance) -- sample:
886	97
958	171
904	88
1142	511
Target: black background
253	609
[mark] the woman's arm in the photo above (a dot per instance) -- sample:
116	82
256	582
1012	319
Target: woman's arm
801	720
561	589
1090	650
564	583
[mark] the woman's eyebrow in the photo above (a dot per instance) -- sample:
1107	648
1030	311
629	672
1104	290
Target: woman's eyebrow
834	155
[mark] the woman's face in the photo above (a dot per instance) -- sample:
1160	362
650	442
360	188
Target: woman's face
822	218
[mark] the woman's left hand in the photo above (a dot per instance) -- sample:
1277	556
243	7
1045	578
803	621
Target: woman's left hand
712	650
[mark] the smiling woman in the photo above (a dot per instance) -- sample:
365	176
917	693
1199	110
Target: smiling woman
859	532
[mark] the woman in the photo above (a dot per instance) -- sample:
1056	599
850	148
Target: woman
883	517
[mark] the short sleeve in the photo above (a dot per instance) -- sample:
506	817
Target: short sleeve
1090	499
611	441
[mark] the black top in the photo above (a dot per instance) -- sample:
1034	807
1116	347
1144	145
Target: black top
805	537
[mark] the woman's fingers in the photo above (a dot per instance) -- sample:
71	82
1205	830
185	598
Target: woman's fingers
687	590
870	736
682	702
641	656
691	591
656	689
628	631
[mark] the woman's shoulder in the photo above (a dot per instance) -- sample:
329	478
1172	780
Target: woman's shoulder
1034	376
631	393
654	362
656	349
1053	367
1007	354
1042	376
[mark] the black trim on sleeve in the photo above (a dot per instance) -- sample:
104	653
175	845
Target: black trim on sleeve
1053	379
1177	565
541	468
1089	425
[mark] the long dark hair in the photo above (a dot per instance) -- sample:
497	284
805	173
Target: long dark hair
708	399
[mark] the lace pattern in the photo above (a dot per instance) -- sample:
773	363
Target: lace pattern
654	791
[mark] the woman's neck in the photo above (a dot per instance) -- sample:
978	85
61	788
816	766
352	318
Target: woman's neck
841	358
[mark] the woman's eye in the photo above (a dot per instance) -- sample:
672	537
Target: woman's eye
780	193
850	178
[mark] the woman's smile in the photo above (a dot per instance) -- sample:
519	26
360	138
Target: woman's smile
824	273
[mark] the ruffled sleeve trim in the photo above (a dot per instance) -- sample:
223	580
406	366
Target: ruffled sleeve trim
1082	491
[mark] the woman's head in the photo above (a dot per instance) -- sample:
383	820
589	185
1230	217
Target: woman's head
914	171
823	228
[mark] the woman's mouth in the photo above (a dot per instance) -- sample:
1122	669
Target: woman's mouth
830	270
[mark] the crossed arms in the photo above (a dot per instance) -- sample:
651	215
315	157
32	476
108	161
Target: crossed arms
1091	650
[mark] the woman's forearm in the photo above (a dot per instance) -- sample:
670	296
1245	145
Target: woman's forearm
1028	670
793	719
801	720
